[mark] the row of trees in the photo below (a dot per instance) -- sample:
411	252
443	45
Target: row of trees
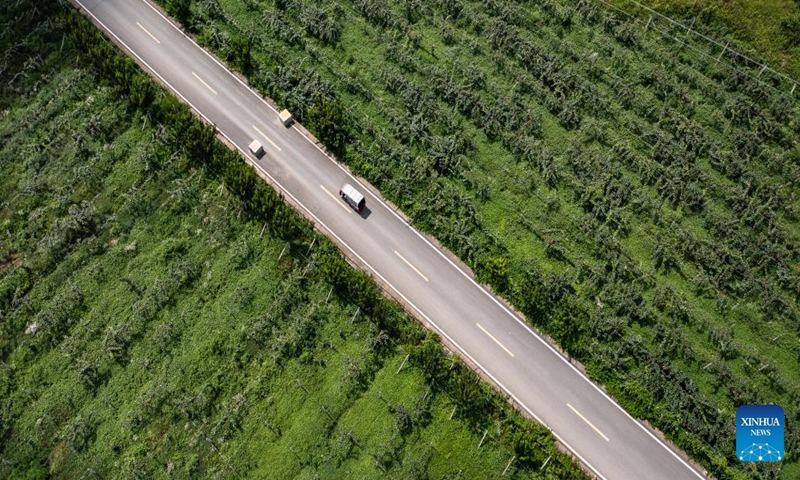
354	285
197	405
474	401
681	188
194	139
482	408
663	146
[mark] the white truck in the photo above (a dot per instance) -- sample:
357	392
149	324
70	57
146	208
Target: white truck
352	197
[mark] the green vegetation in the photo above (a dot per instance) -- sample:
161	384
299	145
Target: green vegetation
636	199
769	29
164	314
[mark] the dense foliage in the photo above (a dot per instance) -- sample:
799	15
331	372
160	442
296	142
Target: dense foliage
163	313
637	199
769	29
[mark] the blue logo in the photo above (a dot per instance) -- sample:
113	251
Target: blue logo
759	433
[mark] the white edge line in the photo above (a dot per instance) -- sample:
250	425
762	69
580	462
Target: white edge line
148	32
268	139
338	201
587	422
380	201
495	340
412	267
442	332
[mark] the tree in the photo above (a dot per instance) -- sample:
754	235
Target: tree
567	321
791	29
533	291
531	444
496	271
430	358
665	256
402	419
376	12
88	373
326	118
239	52
141	91
180	9
321	24
568	117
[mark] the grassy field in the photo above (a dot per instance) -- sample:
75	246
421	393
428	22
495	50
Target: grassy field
152	327
766	29
636	199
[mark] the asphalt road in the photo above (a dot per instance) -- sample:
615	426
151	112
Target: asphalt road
600	433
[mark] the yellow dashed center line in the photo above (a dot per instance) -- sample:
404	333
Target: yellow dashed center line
338	201
412	266
266	137
587	422
147	32
204	83
495	340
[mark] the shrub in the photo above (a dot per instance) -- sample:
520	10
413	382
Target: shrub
791	30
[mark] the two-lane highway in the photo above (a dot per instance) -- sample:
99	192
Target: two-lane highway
591	425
